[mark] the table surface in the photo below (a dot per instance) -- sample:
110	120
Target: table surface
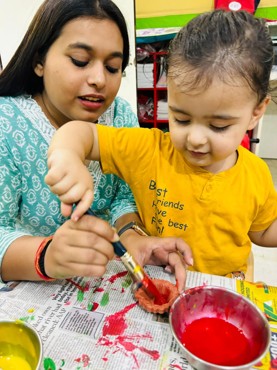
99	325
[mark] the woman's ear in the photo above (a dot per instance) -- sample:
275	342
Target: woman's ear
38	65
258	112
38	68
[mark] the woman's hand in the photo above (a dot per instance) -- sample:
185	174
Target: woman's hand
70	179
171	252
81	248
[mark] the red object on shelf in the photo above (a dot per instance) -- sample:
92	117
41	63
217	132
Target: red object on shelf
246	141
235	5
154	94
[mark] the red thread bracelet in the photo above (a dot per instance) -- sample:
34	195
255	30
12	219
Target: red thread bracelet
43	245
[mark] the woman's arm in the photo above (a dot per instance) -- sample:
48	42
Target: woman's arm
79	248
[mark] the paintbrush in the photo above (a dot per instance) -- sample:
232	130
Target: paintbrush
137	272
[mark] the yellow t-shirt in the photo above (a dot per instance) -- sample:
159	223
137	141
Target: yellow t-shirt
213	213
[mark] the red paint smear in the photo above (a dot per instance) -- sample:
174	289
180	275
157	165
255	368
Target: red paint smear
130	347
274	363
98	290
85	359
150	287
115	324
117	276
95	306
221	342
126	343
80	287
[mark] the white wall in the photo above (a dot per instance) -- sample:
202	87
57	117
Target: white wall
15	16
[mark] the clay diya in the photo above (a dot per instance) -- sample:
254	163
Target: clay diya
167	290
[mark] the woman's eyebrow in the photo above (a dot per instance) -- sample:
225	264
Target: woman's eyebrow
81	45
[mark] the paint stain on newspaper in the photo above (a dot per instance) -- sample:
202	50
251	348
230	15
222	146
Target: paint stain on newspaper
105	299
174	366
113	278
49	364
84	360
115	325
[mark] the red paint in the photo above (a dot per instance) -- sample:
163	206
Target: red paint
150	287
95	306
115	324
219	342
117	276
274	363
85	359
127	344
130	346
81	288
98	290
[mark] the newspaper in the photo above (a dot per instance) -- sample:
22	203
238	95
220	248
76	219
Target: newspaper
98	325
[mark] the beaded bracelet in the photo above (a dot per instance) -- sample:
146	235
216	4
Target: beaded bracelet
39	259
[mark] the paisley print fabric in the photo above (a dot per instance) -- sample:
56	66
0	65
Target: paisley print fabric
27	206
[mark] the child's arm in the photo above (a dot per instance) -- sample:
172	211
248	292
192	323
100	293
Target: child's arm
265	238
71	145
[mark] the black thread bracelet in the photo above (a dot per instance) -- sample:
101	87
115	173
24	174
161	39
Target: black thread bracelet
42	258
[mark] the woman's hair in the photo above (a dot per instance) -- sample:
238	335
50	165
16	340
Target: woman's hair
19	77
222	44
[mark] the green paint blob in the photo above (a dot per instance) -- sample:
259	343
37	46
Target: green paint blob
127	282
62	363
90	306
49	364
24	319
80	296
105	299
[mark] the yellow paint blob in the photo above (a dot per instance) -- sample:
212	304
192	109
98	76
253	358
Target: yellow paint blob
13	363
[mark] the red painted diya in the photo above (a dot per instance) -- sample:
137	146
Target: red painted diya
167	290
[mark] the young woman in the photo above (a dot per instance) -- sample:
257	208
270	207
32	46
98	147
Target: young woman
68	66
195	182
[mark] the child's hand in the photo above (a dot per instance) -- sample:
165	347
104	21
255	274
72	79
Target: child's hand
173	253
70	179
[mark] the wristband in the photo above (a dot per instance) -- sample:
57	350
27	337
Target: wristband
39	259
135	226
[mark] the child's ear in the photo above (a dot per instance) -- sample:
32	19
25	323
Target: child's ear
258	112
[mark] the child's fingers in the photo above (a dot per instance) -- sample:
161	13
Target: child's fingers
176	264
53	177
184	249
83	205
66	209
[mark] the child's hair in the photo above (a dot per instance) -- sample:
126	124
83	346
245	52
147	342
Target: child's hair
225	45
19	76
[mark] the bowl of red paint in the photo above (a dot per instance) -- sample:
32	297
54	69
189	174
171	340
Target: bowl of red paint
219	329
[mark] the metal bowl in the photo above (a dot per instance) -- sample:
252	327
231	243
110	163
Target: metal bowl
20	346
229	307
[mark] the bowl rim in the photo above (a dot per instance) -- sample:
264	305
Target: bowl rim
204	363
31	329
